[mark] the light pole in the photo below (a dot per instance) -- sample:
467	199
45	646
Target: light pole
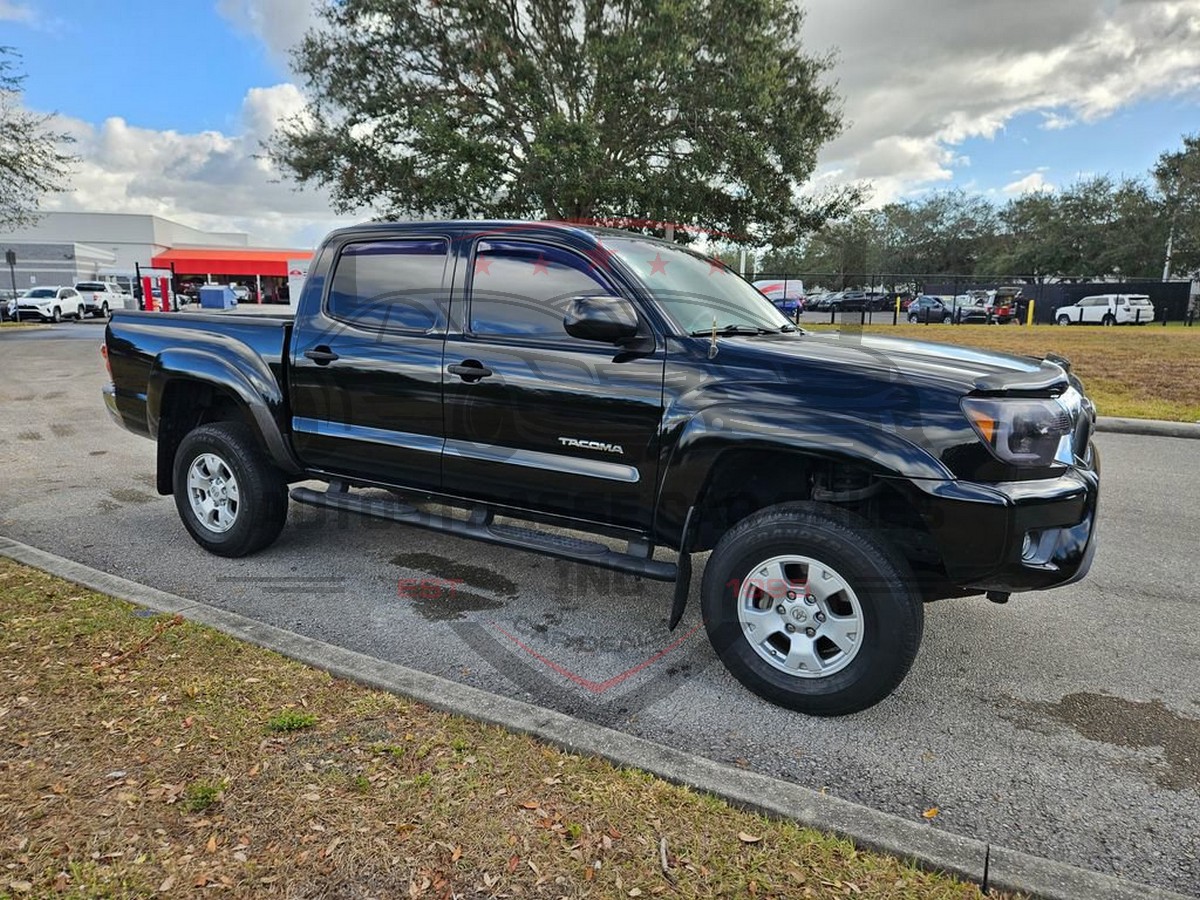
10	257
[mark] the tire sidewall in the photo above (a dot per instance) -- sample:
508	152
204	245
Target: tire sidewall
892	616
258	488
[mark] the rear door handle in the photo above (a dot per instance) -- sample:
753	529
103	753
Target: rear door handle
470	370
322	356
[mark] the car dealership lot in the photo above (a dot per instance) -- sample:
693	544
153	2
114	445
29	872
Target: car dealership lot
1064	724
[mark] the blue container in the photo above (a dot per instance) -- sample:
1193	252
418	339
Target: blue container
217	296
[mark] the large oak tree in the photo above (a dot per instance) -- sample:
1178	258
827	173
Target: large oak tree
707	113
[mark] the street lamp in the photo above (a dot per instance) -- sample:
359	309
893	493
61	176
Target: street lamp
1117	272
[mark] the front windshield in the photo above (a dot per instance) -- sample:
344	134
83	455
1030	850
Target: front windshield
40	292
695	291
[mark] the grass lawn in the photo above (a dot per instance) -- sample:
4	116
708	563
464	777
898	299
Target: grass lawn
1146	372
144	755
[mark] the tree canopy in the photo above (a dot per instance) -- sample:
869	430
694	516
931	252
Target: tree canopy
31	161
1177	175
707	113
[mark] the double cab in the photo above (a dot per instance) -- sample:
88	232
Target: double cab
543	380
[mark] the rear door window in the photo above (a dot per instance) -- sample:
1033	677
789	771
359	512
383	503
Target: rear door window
390	284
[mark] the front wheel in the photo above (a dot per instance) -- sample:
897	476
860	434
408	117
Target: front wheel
56	316
1064	320
912	320
104	313
79	313
232	501
810	610
946	320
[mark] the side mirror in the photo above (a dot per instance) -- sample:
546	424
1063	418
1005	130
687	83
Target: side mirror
610	320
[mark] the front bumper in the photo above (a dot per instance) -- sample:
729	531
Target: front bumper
980	529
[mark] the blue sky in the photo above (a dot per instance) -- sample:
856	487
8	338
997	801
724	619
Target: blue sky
171	100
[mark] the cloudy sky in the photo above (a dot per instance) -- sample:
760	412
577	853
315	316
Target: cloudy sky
169	101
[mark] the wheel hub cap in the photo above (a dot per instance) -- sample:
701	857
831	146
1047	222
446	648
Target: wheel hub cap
801	616
213	492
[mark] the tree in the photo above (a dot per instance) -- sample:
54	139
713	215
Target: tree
1177	175
702	112
944	233
31	161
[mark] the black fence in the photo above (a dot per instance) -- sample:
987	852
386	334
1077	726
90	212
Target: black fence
1172	299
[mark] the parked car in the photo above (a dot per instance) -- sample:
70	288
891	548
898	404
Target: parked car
1107	309
848	301
101	297
51	304
787	294
927	308
984	311
582	390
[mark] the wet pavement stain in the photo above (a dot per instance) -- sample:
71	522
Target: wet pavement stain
29	436
448	604
1133	725
97	452
62	430
446	569
126	495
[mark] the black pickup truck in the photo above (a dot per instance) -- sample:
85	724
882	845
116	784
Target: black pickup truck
540	374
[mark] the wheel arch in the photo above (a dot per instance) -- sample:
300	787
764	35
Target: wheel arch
188	387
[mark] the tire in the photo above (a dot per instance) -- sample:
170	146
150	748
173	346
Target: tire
867	624
1108	320
208	459
945	320
1064	320
57	317
912	320
104	312
80	312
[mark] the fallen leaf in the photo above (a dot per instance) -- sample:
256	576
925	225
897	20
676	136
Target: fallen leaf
456	854
530	804
747	838
931	812
513	862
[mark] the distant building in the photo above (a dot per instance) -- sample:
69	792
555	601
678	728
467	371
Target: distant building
65	247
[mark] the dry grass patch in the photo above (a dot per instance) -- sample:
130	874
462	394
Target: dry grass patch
1149	372
145	755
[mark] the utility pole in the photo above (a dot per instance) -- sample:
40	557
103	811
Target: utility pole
1170	247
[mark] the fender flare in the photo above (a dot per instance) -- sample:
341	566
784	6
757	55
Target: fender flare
247	379
702	440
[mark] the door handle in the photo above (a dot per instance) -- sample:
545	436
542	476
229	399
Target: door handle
470	370
322	355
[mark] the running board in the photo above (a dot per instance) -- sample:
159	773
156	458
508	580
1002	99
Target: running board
479	526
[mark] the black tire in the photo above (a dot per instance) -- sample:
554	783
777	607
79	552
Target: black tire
80	312
104	313
262	504
912	320
57	317
1064	320
892	614
946	320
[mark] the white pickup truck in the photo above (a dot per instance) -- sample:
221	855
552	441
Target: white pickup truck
101	297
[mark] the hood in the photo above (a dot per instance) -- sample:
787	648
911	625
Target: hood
961	368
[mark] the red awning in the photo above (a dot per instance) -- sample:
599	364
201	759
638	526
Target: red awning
228	261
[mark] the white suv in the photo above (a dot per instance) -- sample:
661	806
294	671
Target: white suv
50	304
1107	309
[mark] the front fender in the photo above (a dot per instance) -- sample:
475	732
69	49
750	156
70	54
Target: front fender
246	378
701	441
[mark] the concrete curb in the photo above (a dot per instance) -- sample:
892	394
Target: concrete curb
994	866
1151	427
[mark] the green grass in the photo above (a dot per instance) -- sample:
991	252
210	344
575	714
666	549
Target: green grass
135	763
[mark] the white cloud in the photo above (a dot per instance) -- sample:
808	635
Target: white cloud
927	89
279	24
1034	182
207	179
12	11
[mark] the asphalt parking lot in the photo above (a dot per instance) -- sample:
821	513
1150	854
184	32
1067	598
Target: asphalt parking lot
1064	724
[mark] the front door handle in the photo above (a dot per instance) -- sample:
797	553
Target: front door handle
322	355
470	370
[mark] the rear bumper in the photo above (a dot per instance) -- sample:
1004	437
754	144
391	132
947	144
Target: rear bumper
128	412
1018	536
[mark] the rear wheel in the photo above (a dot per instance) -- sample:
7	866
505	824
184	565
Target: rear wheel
810	610
104	313
231	499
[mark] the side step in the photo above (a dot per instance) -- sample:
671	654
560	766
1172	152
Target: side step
479	526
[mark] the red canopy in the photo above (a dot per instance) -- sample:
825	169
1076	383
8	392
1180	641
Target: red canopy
228	261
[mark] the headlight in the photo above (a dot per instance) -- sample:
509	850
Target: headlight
1024	432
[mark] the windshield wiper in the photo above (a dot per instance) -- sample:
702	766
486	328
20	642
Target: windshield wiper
735	328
